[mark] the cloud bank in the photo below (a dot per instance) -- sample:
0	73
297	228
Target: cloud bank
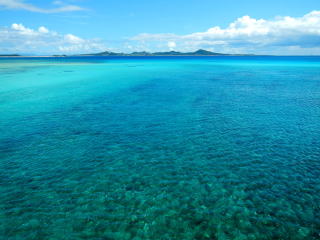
22	5
282	35
19	39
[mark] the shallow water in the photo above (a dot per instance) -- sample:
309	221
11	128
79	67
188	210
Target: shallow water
160	148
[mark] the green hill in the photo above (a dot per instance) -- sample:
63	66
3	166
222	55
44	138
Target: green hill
199	52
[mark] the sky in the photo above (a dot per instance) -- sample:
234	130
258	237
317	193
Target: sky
41	27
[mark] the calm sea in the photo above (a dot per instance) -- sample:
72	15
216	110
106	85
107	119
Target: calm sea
160	148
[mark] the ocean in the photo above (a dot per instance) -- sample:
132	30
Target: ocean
160	148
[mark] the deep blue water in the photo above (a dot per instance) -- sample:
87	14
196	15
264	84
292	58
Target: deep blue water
160	148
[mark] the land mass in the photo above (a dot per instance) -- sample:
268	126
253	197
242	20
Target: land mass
10	55
199	52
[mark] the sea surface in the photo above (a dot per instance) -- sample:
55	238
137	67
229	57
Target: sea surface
160	148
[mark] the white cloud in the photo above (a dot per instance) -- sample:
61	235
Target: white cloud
43	29
22	29
281	35
70	38
22	5
20	39
172	45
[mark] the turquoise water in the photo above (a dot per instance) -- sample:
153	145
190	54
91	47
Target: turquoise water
160	148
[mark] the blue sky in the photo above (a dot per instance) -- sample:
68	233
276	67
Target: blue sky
232	26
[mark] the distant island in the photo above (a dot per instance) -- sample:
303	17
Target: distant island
10	55
199	52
